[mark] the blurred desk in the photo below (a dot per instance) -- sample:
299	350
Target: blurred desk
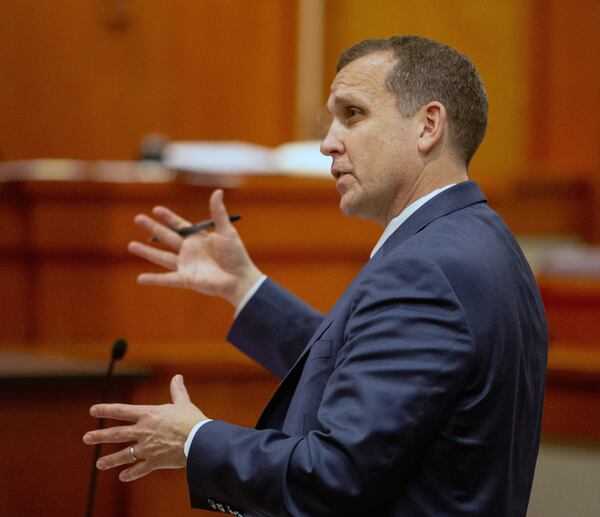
44	465
64	262
572	404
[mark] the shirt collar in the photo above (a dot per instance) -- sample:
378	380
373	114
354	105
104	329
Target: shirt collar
395	223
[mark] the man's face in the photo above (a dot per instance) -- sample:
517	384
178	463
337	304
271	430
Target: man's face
374	150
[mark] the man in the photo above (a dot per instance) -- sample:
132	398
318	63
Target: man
420	393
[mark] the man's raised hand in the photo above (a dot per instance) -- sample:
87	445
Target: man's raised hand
212	263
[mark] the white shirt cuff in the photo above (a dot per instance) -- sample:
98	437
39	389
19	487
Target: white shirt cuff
190	438
249	294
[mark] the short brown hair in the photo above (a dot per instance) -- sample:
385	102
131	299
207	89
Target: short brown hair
425	71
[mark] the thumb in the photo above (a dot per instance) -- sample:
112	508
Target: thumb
218	212
179	392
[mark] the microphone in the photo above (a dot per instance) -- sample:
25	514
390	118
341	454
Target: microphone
119	349
118	352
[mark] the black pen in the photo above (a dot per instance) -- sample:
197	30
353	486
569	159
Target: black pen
198	227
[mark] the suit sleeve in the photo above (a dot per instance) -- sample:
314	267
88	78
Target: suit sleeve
406	354
274	327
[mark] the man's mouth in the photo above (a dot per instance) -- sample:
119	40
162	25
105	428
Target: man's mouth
338	173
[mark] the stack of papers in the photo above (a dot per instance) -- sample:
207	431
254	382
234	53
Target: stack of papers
298	158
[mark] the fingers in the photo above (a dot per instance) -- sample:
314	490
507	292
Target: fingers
137	471
166	259
123	457
179	392
165	234
173	279
169	218
219	213
119	434
139	468
125	412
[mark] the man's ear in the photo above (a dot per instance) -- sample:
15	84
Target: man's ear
432	124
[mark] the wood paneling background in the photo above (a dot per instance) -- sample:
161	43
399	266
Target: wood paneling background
564	87
44	465
71	279
89	79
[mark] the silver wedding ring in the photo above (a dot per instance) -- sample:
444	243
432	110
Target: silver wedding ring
132	454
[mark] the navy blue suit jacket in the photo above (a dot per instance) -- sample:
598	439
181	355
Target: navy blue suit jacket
419	394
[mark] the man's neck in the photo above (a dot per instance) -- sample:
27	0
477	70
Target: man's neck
430	179
397	221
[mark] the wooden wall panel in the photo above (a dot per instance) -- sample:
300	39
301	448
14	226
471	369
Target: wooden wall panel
84	280
547	207
45	467
85	301
564	88
72	280
89	79
572	408
573	309
15	302
15	279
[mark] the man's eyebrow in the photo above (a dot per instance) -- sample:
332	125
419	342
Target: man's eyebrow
345	99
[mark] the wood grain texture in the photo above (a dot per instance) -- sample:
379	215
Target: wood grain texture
77	82
45	467
573	311
69	277
564	88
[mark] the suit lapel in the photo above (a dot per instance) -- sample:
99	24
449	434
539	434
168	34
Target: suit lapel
455	198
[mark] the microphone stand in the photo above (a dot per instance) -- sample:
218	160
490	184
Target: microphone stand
118	351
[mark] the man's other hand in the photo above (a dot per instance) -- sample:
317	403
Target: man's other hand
157	434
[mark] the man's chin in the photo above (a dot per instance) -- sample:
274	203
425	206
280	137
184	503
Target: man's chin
350	209
346	207
354	209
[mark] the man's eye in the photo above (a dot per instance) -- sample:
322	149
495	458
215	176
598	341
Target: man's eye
353	115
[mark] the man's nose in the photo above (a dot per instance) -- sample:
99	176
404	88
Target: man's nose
331	144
